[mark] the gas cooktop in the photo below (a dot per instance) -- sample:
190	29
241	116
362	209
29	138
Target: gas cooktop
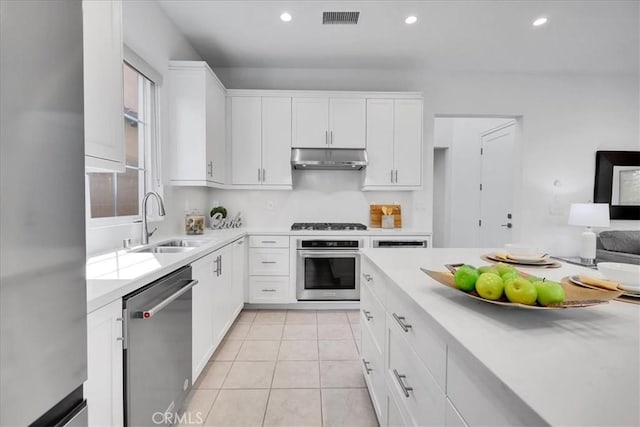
328	226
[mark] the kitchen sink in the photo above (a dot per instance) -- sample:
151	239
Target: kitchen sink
185	243
164	249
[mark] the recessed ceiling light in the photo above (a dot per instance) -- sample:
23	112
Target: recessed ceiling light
286	17
540	21
411	19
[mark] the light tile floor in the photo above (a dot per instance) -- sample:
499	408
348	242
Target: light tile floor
285	368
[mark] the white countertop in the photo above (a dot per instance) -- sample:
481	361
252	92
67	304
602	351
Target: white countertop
114	274
577	366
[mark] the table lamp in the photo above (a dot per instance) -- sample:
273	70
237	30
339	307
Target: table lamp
589	215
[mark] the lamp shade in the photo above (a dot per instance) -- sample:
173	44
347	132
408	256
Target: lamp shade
589	214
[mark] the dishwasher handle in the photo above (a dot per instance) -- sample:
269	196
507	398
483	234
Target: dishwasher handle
148	314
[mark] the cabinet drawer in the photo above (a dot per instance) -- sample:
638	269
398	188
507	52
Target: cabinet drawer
412	384
374	280
452	417
419	333
268	262
394	416
480	397
268	289
373	372
269	241
372	318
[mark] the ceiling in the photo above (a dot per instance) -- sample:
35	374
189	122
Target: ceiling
463	35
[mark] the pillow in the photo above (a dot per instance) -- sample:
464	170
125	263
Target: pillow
621	241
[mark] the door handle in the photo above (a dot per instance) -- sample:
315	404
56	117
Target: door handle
508	225
367	315
366	366
268	262
367	277
330	137
392	176
147	314
400	378
264	174
400	319
396	179
326	137
259	175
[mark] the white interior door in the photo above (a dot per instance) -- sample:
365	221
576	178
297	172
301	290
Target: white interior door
246	140
310	123
347	122
498	166
276	141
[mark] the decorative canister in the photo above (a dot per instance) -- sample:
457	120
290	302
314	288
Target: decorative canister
194	224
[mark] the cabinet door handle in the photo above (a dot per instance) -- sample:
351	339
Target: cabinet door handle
396	179
326	137
264	174
221	265
367	315
391	179
405	388
367	277
400	319
268	262
331	138
367	369
259	175
268	290
210	168
268	241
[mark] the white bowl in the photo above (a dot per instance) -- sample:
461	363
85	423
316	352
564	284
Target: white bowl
522	250
627	275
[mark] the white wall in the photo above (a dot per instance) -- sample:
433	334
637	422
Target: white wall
318	196
150	34
566	118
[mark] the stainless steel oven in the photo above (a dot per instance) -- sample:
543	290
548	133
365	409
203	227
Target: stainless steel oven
328	269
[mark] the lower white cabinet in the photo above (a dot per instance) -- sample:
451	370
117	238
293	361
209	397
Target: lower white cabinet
452	417
269	269
104	386
373	369
268	288
217	299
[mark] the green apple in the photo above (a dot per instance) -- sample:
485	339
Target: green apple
488	269
521	291
534	279
490	286
549	293
465	278
503	268
509	275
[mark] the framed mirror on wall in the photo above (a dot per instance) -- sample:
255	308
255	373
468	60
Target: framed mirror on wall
617	182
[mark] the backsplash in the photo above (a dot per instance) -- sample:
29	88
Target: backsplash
318	196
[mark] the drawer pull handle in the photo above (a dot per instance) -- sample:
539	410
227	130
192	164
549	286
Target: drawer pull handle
268	290
367	277
367	315
268	262
400	319
406	389
269	241
367	369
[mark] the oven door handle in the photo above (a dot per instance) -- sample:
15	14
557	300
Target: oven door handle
148	314
331	253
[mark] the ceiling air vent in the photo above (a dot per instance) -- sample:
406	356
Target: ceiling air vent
329	18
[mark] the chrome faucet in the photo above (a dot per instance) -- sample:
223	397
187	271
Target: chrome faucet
161	212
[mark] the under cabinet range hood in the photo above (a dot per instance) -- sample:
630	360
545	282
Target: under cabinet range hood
323	158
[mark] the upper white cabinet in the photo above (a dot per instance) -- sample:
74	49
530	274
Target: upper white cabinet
260	141
196	125
323	122
394	144
103	85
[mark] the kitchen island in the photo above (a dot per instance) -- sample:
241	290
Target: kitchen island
443	358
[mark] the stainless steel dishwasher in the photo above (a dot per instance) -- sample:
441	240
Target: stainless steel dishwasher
157	349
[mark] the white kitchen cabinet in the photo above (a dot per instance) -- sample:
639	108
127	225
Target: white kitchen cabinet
104	386
103	85
239	272
373	369
261	141
269	269
204	271
323	122
452	417
394	144
197	125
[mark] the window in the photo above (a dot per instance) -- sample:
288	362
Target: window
118	195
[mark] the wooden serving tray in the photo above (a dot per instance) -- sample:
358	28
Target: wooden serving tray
575	296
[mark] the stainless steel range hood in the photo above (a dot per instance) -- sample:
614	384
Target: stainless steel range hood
323	158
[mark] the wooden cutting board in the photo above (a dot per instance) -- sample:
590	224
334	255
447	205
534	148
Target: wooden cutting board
376	215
